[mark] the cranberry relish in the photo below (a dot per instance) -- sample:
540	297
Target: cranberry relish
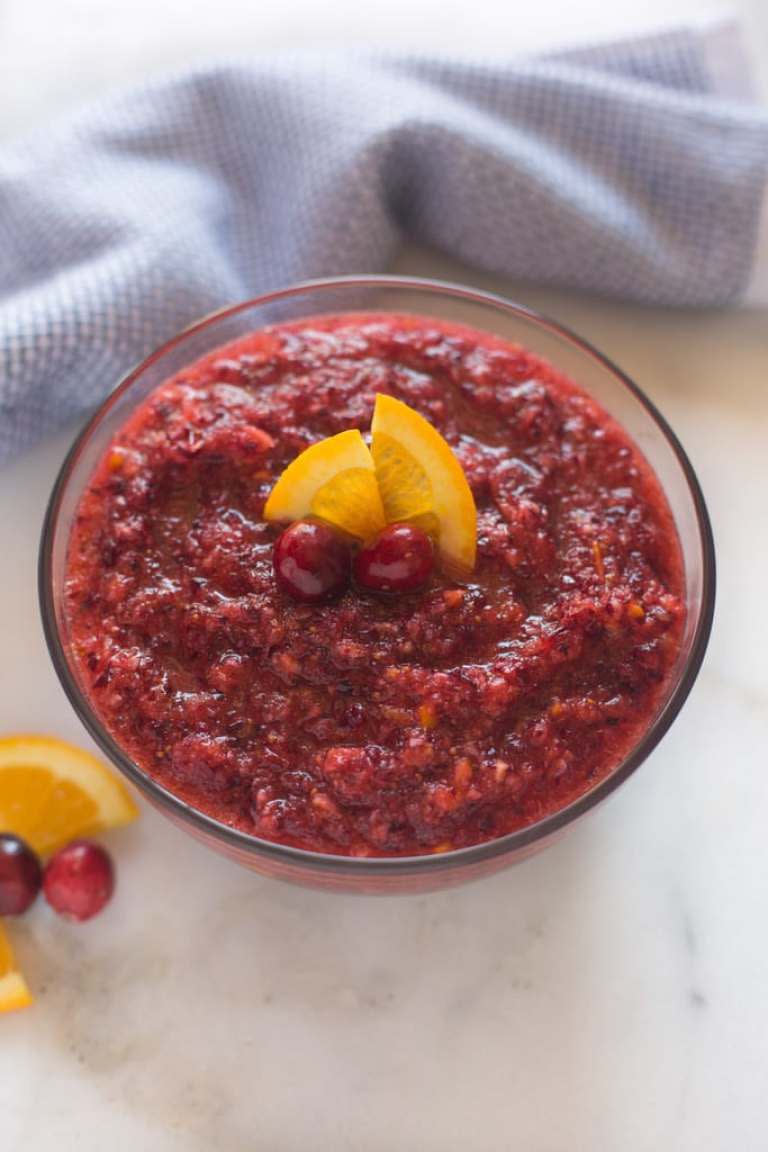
389	724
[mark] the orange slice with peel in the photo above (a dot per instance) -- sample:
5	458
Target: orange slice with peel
52	792
14	993
334	480
421	480
409	474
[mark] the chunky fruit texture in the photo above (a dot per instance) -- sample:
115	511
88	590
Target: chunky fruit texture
374	725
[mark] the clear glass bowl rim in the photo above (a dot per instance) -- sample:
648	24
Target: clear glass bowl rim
513	842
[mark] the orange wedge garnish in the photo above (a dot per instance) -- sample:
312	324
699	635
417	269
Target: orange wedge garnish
409	474
14	992
52	792
333	480
420	478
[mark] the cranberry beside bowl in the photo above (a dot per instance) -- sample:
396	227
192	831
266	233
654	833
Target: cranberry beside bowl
391	742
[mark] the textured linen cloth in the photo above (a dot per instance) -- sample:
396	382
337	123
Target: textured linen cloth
618	169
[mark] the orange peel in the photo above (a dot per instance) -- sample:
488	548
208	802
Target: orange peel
14	993
420	479
410	474
334	480
52	792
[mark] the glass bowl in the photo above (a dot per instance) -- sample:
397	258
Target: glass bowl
619	395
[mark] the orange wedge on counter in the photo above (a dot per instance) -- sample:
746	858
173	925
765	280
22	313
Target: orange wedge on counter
52	792
14	992
409	474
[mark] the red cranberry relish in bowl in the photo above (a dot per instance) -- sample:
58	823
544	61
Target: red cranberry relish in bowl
359	713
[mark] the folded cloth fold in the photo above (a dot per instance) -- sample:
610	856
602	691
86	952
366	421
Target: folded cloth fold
619	169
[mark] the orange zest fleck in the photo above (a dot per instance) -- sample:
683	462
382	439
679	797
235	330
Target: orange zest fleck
427	716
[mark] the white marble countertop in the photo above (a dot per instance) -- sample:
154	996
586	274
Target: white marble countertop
609	994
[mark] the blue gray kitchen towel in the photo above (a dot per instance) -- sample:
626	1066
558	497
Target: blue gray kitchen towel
620	169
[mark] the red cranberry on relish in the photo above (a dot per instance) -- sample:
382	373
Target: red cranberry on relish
312	562
20	875
79	880
399	559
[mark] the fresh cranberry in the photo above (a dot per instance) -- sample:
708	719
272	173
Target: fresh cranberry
20	875
312	562
400	559
79	880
